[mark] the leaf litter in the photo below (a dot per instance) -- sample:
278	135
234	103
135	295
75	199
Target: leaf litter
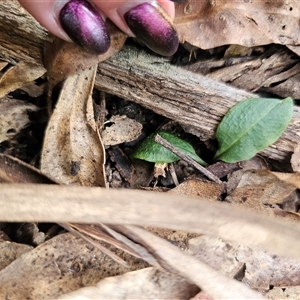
68	160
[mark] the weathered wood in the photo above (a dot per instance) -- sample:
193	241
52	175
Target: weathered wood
21	36
195	101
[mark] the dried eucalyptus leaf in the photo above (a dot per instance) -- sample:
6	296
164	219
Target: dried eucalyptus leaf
73	152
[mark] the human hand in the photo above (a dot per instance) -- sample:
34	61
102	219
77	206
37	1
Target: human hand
83	22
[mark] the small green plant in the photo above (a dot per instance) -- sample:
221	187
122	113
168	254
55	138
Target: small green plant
248	127
150	150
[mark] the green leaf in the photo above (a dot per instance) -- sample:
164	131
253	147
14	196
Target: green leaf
250	126
150	150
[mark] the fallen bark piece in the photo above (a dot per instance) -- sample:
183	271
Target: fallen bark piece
195	101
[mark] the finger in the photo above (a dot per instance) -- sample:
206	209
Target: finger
46	13
115	10
150	21
83	23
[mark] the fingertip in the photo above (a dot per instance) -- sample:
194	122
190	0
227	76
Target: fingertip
46	13
115	10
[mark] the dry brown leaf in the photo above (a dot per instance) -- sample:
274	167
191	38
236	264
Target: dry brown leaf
284	293
295	159
72	151
208	24
238	261
261	190
217	253
14	170
145	284
273	270
18	76
198	189
11	251
60	265
63	59
176	261
123	129
176	237
290	178
13	117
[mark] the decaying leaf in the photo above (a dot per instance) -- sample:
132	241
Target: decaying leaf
176	261
10	251
63	59
14	117
19	76
218	254
199	189
14	170
60	265
145	284
289	178
284	293
295	159
123	129
261	190
208	24
242	262
72	151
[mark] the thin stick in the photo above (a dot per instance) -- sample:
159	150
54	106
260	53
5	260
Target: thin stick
186	158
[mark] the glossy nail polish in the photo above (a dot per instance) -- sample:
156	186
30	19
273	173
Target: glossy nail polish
85	26
153	27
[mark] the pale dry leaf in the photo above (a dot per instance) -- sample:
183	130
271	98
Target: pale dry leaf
273	270
295	159
60	265
218	254
289	178
63	59
123	129
288	215
209	24
176	261
14	117
239	261
160	169
10	251
145	284
262	191
19	76
199	189
72	151
176	237
284	293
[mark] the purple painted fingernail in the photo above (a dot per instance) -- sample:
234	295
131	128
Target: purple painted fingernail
85	26
153	27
